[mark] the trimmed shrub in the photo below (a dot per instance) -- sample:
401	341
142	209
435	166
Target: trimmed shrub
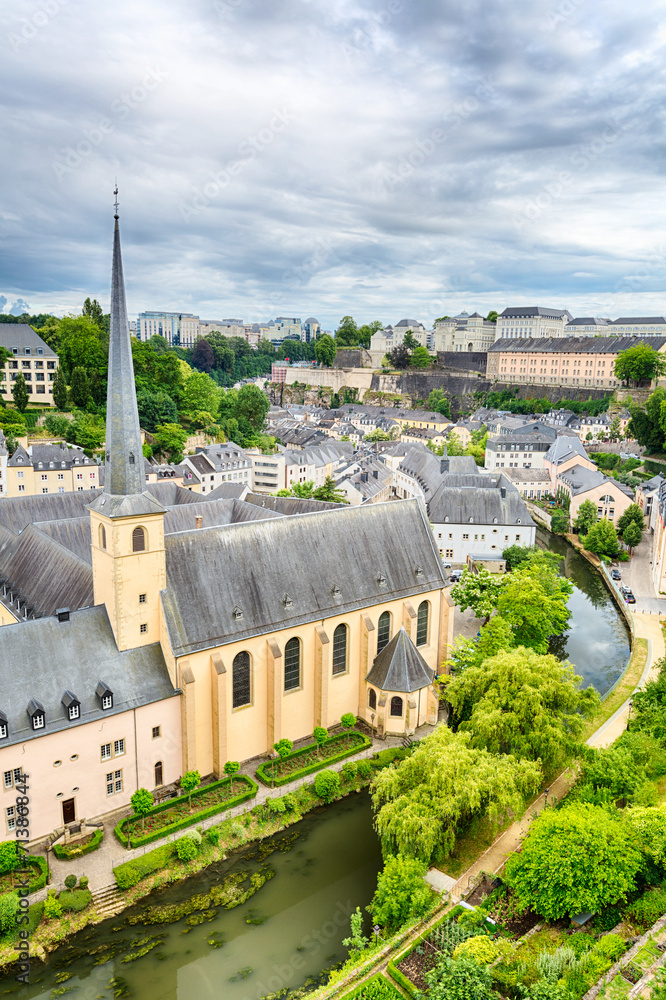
186	849
10	856
480	948
195	836
9	904
83	882
364	769
52	907
75	900
66	852
192	818
131	872
327	785
70	882
263	772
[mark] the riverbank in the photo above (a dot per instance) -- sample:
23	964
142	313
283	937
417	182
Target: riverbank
251	823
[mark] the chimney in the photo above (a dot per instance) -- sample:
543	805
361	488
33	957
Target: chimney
364	477
63	614
198	521
443	465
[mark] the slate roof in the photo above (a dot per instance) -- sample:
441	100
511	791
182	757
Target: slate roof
527	311
564	448
21	335
573	345
627	320
74	655
228	491
213	513
73	533
588	321
581	479
528	475
425	467
17	512
291	505
46	574
290	569
400	667
471	505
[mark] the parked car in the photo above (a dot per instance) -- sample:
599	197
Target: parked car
455	575
615	574
624	589
446	565
629	597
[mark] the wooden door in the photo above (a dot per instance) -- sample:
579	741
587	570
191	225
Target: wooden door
68	811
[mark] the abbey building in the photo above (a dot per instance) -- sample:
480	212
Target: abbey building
152	631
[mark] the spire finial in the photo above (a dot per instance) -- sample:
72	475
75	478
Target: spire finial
115	204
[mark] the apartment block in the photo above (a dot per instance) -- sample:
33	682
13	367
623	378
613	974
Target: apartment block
180	329
532	321
33	358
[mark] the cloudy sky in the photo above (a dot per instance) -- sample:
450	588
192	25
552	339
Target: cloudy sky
384	158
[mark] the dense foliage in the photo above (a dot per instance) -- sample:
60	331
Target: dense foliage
401	893
424	803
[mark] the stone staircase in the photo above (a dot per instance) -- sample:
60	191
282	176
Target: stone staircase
108	901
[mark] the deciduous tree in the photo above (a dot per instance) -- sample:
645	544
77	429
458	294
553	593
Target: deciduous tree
420	358
329	492
142	802
401	892
202	355
639	364
325	350
156	408
20	393
169	441
574	859
632	535
634	514
522	703
602	539
60	390
478	591
586	517
189	781
423	803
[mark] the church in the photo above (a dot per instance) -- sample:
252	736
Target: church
152	631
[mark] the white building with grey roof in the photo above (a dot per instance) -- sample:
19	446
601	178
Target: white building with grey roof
33	358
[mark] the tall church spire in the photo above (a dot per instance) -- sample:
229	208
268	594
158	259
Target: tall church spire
124	456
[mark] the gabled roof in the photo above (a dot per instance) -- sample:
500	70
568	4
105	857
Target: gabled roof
581	479
75	655
400	667
573	345
528	311
473	505
564	448
629	320
306	559
21	335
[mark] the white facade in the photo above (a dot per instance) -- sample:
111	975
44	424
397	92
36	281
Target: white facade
532	321
180	329
456	541
464	333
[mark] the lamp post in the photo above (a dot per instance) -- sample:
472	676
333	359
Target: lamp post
372	721
546	790
375	931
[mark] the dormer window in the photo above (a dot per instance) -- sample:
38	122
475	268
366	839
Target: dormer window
4	727
72	706
37	714
287	601
104	696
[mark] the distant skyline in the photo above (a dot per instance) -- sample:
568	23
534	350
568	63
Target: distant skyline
386	159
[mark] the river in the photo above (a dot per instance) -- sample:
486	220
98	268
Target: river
292	928
597	641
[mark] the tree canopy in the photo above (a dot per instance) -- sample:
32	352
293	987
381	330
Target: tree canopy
424	802
574	859
587	516
639	364
522	703
602	539
325	350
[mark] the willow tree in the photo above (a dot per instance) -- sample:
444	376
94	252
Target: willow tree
522	703
423	804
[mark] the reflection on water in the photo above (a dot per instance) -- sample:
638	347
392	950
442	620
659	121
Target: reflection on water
597	642
300	918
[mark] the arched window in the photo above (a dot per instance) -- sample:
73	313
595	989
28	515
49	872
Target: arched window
372	699
102	536
240	672
292	664
396	707
340	649
138	540
159	778
383	630
422	624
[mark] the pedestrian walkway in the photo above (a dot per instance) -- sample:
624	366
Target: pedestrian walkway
98	865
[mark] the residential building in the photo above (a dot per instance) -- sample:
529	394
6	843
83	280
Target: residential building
647	494
638	326
588	326
180	329
522	448
33	358
531	483
220	463
366	480
580	483
565	453
464	333
216	627
579	361
49	468
476	515
420	472
385	340
525	322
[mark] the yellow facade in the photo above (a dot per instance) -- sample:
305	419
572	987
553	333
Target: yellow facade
128	581
28	481
214	731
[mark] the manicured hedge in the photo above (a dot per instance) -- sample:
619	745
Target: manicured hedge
263	772
194	817
131	872
75	900
375	988
65	852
